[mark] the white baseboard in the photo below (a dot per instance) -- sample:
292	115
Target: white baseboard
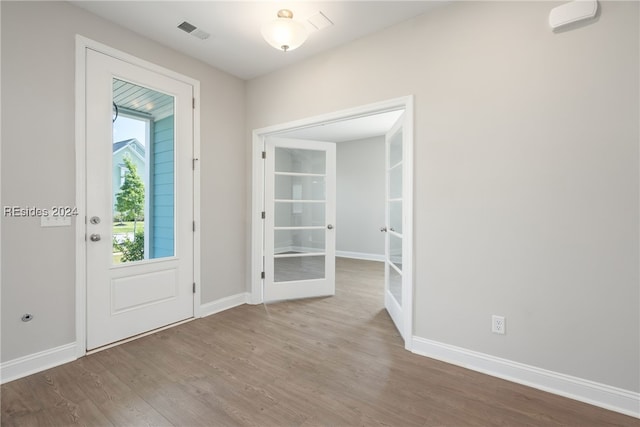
360	255
223	304
602	395
36	362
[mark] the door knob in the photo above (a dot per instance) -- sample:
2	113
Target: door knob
95	237
383	229
330	227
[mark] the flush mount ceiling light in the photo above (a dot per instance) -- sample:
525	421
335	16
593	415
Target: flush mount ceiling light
284	33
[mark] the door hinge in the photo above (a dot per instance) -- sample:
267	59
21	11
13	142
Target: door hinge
264	154
194	226
193	103
264	214
194	287
262	275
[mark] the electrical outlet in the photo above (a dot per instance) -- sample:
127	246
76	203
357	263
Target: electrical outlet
55	221
498	324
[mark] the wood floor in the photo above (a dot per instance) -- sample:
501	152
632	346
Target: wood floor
324	362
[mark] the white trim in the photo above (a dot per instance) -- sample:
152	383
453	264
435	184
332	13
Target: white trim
360	255
257	207
82	44
223	304
197	262
257	199
37	362
0	153
407	232
81	197
602	395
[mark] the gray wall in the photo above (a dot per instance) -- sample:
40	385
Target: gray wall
360	182
38	161
526	174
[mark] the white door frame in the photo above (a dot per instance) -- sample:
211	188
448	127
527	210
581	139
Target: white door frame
82	44
257	197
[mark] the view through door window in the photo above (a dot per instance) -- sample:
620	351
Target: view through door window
142	173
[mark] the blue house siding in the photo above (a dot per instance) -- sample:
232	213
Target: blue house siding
163	208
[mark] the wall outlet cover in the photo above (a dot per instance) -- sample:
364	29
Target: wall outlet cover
55	221
498	324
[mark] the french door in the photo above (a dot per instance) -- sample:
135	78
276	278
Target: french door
139	184
299	219
394	237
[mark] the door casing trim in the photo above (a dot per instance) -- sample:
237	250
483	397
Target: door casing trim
82	45
257	193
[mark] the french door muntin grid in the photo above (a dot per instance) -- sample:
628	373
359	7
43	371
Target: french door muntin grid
289	262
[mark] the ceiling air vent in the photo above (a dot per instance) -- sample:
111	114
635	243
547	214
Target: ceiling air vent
319	21
193	30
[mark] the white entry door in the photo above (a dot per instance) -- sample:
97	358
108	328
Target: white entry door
394	241
139	151
300	211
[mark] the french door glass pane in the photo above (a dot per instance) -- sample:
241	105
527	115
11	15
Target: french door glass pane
298	268
299	241
292	214
395	149
395	183
395	251
142	173
395	216
288	187
300	161
395	285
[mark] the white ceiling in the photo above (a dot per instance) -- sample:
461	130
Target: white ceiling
236	45
348	130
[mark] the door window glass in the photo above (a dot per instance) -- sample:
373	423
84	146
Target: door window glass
295	268
143	171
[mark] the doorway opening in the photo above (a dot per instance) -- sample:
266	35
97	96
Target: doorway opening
372	128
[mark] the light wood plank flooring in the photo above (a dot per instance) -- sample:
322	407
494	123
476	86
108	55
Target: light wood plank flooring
323	362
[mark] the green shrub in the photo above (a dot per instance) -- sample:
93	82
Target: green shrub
131	250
